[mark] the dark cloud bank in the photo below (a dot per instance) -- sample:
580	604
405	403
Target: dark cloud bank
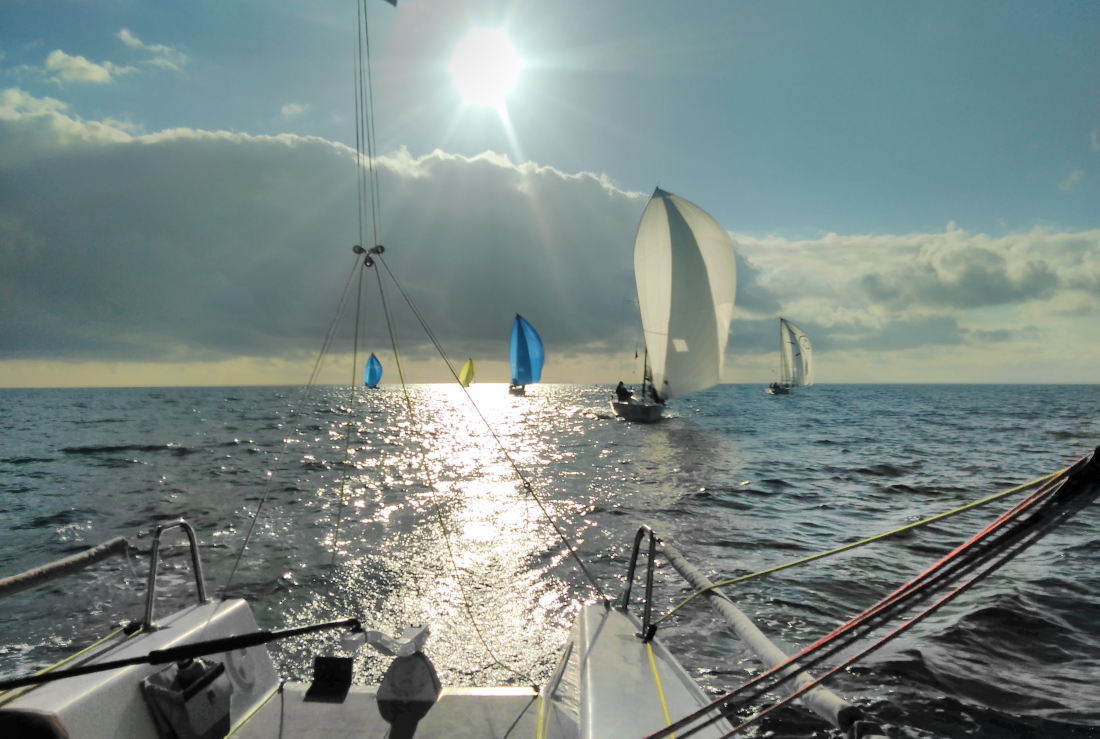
193	246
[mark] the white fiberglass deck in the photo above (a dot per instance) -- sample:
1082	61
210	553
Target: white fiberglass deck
461	713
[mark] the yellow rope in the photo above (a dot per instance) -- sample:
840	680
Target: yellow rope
8	699
859	543
254	711
660	691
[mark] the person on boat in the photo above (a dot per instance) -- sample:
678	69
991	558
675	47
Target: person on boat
653	394
623	393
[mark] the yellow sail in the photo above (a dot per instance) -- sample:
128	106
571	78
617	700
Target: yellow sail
466	376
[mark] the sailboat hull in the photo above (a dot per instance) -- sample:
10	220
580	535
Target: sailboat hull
777	390
517	390
637	412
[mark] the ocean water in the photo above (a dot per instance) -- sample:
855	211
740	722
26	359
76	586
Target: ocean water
737	479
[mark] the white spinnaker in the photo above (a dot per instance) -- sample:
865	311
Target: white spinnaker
786	354
686	276
797	353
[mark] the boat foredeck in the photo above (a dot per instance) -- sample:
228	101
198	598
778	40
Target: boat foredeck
460	713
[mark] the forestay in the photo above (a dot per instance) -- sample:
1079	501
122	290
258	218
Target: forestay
796	363
687	279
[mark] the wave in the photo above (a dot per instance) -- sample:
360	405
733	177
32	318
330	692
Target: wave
176	451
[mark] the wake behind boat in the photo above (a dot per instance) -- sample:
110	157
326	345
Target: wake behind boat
686	276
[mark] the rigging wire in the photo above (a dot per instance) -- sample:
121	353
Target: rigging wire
368	113
325	347
861	542
351	426
515	467
425	467
977	551
358	144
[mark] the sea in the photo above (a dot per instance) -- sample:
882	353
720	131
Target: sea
403	517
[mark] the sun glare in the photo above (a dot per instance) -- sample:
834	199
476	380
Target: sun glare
485	67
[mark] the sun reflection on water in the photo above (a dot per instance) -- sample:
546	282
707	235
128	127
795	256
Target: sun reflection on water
394	565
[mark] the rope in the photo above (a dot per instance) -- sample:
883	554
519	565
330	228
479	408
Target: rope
297	418
660	690
914	588
523	479
431	486
350	426
367	101
861	542
9	698
1014	536
271	694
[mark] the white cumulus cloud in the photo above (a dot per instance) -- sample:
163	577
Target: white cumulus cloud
65	68
292	109
164	57
188	245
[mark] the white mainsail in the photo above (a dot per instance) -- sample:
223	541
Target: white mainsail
796	356
686	275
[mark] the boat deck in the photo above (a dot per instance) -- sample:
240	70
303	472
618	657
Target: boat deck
460	713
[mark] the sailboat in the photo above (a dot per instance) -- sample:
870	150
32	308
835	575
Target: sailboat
204	670
686	277
466	374
796	359
372	373
526	356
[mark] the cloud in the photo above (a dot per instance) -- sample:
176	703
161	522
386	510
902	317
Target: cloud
898	292
1071	181
164	57
34	127
292	109
67	68
194	246
198	245
1094	137
753	296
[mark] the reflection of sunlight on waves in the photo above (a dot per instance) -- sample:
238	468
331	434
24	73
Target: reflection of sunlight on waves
393	562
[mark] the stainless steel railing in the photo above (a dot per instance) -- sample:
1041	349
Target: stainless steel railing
154	560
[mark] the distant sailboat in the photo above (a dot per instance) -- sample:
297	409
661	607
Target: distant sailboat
526	356
796	359
686	276
466	374
372	374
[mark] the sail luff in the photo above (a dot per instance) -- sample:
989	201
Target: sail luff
804	362
796	363
785	354
686	277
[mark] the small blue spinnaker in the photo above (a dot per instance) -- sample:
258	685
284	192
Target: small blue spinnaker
527	354
373	373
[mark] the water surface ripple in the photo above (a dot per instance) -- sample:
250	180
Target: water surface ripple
738	479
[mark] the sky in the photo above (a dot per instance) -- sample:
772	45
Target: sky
917	186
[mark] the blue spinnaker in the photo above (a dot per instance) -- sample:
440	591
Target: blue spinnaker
527	354
373	373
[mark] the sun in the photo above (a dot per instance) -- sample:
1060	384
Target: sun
485	67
